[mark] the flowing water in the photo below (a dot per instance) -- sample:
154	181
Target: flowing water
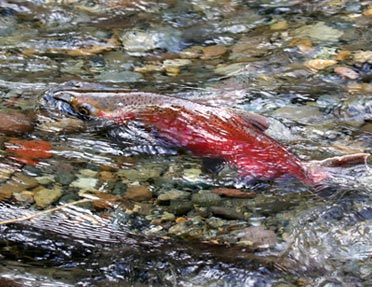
137	214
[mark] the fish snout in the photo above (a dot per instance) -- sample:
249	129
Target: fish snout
58	101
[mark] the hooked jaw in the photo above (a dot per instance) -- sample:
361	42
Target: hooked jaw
64	97
65	102
75	106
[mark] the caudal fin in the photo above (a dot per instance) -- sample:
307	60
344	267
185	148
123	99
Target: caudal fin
327	175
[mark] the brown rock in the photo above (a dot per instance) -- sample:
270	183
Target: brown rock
18	183
6	170
343	55
368	12
107	176
232	192
14	123
301	42
211	52
359	88
6	282
138	193
304	45
319	64
346	73
106	200
257	236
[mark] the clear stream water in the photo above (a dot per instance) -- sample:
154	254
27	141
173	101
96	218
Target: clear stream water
306	65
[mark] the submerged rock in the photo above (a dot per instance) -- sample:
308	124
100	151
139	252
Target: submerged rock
138	193
139	42
173	195
302	114
18	183
14	123
206	198
319	32
363	56
46	197
319	64
257	236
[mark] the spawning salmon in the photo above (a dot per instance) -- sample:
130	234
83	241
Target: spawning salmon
234	135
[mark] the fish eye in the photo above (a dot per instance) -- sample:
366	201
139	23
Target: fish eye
83	110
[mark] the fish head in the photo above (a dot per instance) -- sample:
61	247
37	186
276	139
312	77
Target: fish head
72	103
76	105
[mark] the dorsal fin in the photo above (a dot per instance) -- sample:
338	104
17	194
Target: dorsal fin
252	119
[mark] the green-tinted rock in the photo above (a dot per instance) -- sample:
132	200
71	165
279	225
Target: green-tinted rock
172	195
64	177
319	32
167	216
302	114
179	207
226	212
206	198
142	174
45	197
46	179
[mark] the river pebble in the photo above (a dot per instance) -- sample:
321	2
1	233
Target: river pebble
63	125
319	32
232	192
368	12
192	174
227	212
173	195
248	47
45	197
346	72
138	193
230	69
363	56
141	175
187	229
167	216
15	123
6	170
18	183
302	114
139	42
119	77
319	64
280	25
179	207
173	67
45	179
257	236
85	183
206	198
212	52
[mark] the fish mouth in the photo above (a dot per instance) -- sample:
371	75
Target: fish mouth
57	105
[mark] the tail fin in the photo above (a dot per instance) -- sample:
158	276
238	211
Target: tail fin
326	175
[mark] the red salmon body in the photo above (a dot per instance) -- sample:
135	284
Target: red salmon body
232	138
233	135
